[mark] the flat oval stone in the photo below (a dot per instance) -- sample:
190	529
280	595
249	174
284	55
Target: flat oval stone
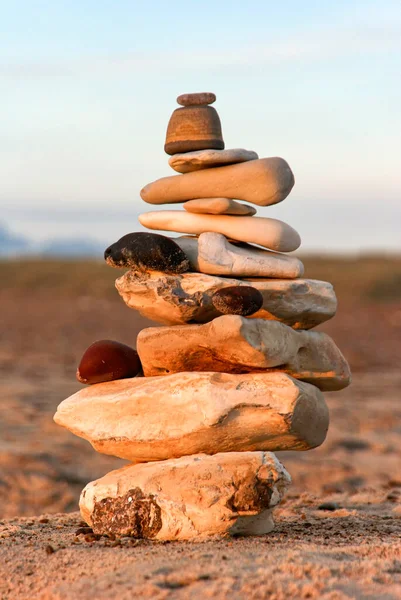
142	251
270	233
218	206
264	182
196	99
107	360
241	300
205	159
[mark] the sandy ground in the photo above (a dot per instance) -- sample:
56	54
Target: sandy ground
353	551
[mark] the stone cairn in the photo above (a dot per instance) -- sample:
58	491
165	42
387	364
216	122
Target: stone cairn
236	372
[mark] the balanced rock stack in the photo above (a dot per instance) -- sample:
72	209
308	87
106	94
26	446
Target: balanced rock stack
234	375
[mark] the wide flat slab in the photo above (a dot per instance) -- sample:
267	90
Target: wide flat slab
156	418
187	298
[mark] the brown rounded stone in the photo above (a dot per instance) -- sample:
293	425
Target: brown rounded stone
238	300
107	360
193	128
196	99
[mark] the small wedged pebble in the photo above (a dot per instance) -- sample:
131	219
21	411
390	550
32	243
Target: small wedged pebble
107	360
241	300
142	251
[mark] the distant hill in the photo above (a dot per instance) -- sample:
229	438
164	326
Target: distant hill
72	247
12	244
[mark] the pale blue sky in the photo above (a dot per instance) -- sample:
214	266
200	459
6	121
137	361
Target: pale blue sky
87	89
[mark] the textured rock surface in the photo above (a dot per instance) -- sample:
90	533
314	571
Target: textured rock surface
205	159
270	233
264	181
155	418
106	360
212	253
191	497
187	298
243	300
218	206
143	251
233	344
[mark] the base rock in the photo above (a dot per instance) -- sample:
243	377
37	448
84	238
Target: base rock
188	498
187	298
156	418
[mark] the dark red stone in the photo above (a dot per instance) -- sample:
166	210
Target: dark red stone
241	300
106	360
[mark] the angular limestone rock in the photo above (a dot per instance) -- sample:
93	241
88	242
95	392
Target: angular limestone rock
218	206
264	181
155	418
188	498
234	344
212	253
187	298
205	159
270	233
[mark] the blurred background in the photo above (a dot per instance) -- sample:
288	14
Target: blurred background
87	89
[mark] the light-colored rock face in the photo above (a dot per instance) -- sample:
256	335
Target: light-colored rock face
188	498
187	298
212	253
218	206
156	418
205	159
234	344
265	181
270	233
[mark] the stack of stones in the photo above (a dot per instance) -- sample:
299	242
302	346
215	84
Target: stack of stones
234	374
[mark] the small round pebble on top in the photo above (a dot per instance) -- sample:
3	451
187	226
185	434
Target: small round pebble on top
142	251
241	300
107	360
196	99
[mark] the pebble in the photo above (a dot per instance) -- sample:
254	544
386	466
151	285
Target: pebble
270	233
238	300
328	506
107	360
205	159
218	206
196	99
142	251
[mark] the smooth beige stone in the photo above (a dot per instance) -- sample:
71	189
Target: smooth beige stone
264	181
155	418
188	498
218	206
205	159
270	233
234	344
187	298
212	253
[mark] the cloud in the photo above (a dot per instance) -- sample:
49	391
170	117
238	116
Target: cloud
313	46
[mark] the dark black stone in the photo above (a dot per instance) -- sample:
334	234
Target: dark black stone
142	251
329	506
241	300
